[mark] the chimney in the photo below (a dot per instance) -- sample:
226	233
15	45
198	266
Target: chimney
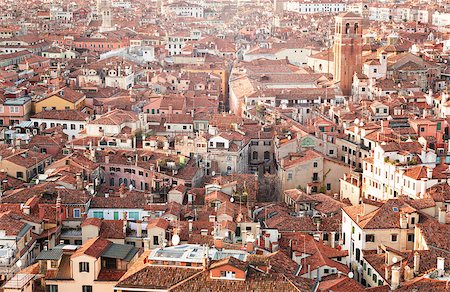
423	187
218	242
395	281
250	246
403	221
122	191
138	228
204	232
205	257
190	223
333	237
26	210
429	173
79	181
244	236
107	159
442	214
212	218
357	218
416	263
125	223
440	266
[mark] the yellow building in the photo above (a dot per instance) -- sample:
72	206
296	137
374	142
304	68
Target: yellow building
216	68
95	266
63	99
23	164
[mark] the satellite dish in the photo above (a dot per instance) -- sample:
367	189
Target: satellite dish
213	173
227	233
231	199
356	121
394	260
92	191
37	181
19	263
350	275
130	187
175	239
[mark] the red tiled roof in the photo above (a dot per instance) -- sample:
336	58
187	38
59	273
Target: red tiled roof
159	222
93	247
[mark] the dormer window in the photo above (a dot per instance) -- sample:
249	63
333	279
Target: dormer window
227	275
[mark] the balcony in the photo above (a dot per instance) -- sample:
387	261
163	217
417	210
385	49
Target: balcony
364	147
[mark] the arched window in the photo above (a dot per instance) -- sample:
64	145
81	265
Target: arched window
228	169
111	181
266	155
120	181
347	28
125	181
255	155
356	28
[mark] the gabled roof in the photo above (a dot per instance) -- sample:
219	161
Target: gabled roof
159	222
241	265
340	284
93	247
385	216
67	94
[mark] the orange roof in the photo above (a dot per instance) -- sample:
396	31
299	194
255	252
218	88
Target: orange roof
94	247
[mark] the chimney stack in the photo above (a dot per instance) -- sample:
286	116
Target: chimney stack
332	240
440	266
423	186
212	218
429	173
138	228
395	280
403	221
190	223
79	181
125	223
218	242
26	210
122	191
416	263
250	246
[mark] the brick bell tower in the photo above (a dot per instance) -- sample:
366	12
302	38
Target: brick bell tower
347	49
